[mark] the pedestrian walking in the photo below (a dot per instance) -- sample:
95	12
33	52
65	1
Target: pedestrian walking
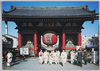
46	56
85	57
40	57
63	57
79	58
9	58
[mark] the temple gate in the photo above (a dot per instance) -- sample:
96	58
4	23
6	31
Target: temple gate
33	22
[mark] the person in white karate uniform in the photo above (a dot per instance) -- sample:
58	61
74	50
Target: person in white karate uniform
57	54
72	56
51	57
63	57
41	57
9	58
46	55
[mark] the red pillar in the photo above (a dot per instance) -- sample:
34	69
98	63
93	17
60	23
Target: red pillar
79	39
63	40
35	43
19	41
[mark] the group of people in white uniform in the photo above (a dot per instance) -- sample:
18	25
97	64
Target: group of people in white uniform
52	57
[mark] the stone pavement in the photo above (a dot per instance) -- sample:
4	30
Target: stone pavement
33	64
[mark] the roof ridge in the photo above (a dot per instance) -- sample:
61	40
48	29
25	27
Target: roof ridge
49	8
11	36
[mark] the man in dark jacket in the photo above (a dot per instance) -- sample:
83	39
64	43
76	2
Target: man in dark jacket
79	58
14	55
85	56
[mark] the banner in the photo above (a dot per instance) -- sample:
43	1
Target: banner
24	51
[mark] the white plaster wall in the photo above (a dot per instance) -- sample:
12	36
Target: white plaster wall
15	41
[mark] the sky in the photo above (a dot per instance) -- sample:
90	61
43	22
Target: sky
89	28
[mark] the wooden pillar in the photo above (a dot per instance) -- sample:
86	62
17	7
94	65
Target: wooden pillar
79	39
63	40
19	41
35	42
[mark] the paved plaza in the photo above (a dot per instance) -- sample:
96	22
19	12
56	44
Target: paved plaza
33	64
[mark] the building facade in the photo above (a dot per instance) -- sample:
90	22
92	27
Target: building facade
94	42
86	41
91	41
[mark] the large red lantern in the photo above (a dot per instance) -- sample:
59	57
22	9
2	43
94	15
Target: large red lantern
49	38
